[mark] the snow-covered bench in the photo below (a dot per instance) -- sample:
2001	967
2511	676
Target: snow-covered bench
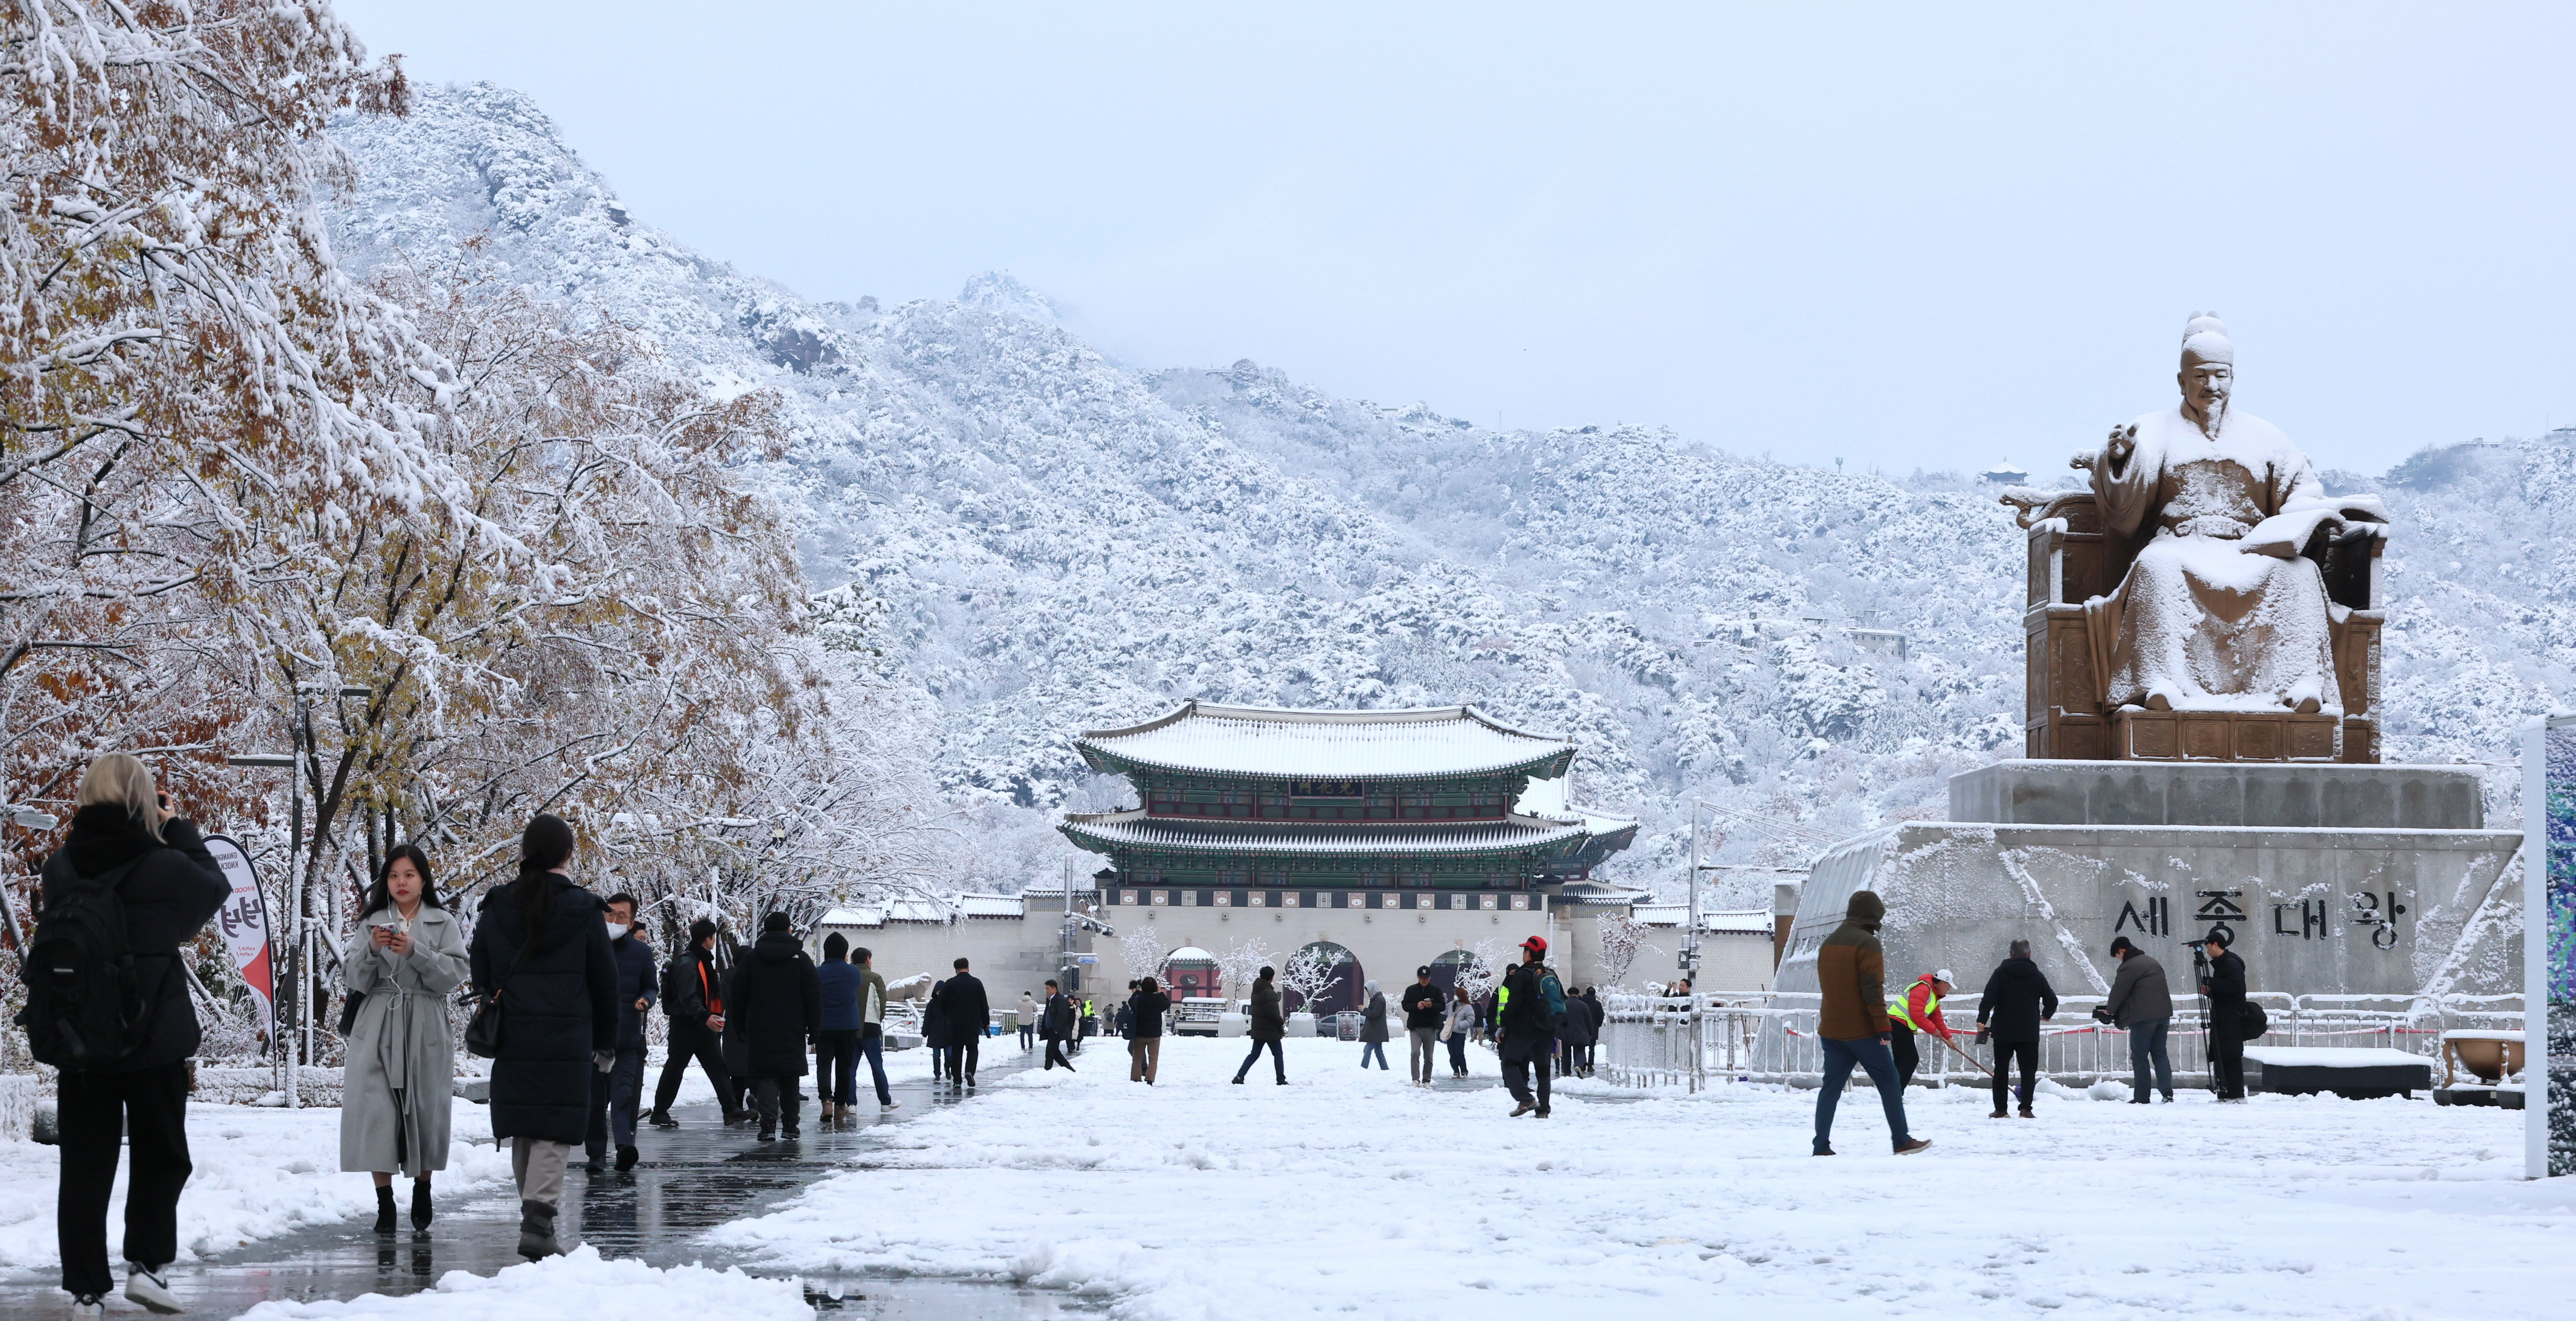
2356	1073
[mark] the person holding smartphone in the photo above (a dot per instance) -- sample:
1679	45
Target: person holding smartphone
406	957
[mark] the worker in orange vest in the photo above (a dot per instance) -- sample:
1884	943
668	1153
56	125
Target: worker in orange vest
1917	1010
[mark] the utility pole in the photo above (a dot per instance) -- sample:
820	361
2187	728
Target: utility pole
1690	933
296	761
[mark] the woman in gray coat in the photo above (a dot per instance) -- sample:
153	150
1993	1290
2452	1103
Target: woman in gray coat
1373	1029
407	956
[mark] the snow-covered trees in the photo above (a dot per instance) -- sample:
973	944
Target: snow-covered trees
470	553
1242	961
1308	974
1142	949
1482	969
1622	940
187	380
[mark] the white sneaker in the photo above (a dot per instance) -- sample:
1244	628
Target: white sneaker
88	1309
146	1286
890	1105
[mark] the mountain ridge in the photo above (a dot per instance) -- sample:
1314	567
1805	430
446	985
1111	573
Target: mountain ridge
1063	543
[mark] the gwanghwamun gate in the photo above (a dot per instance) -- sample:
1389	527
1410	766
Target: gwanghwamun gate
1393	838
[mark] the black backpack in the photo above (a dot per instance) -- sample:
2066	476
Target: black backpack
671	986
2253	1023
85	1005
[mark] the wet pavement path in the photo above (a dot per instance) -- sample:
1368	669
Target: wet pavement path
691	1179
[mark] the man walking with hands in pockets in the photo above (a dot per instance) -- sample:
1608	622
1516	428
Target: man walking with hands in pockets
1851	972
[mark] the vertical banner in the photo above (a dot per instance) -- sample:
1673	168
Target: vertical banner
2549	946
244	922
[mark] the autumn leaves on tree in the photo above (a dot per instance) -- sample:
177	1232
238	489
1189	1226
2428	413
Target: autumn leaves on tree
508	557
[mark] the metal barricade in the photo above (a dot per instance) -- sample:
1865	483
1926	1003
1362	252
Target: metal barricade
1704	1040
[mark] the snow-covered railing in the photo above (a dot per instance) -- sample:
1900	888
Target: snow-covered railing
18	1093
1675	1041
1652	1041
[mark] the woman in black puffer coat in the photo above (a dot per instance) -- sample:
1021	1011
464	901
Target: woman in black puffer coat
168	885
541	943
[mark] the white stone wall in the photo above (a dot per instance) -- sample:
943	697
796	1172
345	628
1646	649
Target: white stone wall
1388	944
1957	893
1015	954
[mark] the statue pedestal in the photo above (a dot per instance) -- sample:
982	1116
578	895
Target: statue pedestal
2130	793
2266	736
2334	879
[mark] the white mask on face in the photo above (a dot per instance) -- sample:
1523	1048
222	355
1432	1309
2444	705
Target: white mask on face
615	928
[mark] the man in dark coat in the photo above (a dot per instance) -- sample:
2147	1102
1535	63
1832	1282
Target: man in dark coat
2017	998
1573	1036
1269	1025
693	998
2141	1004
170	886
557	985
1528	1005
1600	1014
775	1004
969	1014
614	1094
1422	1015
2225	986
1056	1026
935	1036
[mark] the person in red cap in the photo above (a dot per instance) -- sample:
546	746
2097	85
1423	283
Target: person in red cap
1525	1018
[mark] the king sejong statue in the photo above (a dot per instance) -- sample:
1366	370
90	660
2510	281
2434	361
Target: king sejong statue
2221	610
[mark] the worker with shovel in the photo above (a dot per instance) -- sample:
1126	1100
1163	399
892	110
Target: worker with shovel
1917	1010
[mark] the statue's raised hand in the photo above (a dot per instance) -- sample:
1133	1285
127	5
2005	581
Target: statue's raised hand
2124	442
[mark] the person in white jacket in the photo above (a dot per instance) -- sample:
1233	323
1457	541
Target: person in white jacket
1461	1025
1028	1021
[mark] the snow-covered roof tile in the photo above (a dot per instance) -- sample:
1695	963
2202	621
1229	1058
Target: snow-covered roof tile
991	905
1736	922
1135	829
1296	744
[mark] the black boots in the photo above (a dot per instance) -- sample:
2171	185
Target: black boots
661	1119
537	1231
419	1206
626	1158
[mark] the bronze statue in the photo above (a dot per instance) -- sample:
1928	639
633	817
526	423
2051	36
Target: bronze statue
2209	592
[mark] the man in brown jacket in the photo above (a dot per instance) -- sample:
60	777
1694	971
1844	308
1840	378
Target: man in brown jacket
1851	973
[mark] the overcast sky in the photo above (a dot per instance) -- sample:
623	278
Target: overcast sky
1902	237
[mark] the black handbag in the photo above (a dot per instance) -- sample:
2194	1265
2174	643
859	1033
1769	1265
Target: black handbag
483	1031
349	1011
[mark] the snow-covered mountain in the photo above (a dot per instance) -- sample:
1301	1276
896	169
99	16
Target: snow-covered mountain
1062	541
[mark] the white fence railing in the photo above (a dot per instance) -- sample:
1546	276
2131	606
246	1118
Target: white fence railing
1656	1041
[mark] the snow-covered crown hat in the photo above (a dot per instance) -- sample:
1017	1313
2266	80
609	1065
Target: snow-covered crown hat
2205	337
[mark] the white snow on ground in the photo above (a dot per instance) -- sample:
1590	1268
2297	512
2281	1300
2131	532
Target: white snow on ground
262	1171
1352	1194
579	1285
259	1172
